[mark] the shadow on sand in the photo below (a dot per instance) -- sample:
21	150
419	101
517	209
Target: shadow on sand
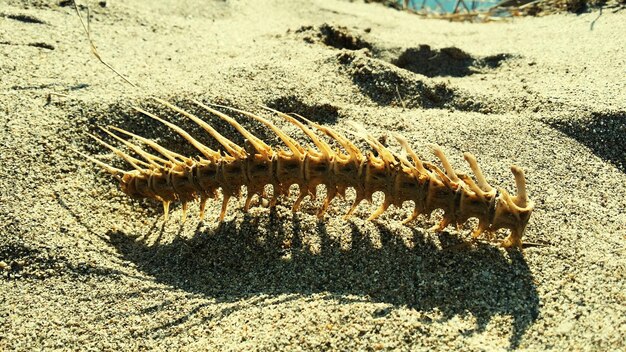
248	260
603	133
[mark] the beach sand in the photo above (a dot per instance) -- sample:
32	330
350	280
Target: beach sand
83	266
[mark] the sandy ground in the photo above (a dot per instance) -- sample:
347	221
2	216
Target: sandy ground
84	267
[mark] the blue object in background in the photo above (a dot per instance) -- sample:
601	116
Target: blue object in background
447	6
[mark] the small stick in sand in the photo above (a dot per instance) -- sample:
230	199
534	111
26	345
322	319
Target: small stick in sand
94	50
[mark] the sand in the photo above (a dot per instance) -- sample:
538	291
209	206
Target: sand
82	266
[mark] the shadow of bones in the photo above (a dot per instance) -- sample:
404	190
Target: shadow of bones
244	258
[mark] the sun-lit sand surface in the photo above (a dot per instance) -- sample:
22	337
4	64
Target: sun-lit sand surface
82	266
